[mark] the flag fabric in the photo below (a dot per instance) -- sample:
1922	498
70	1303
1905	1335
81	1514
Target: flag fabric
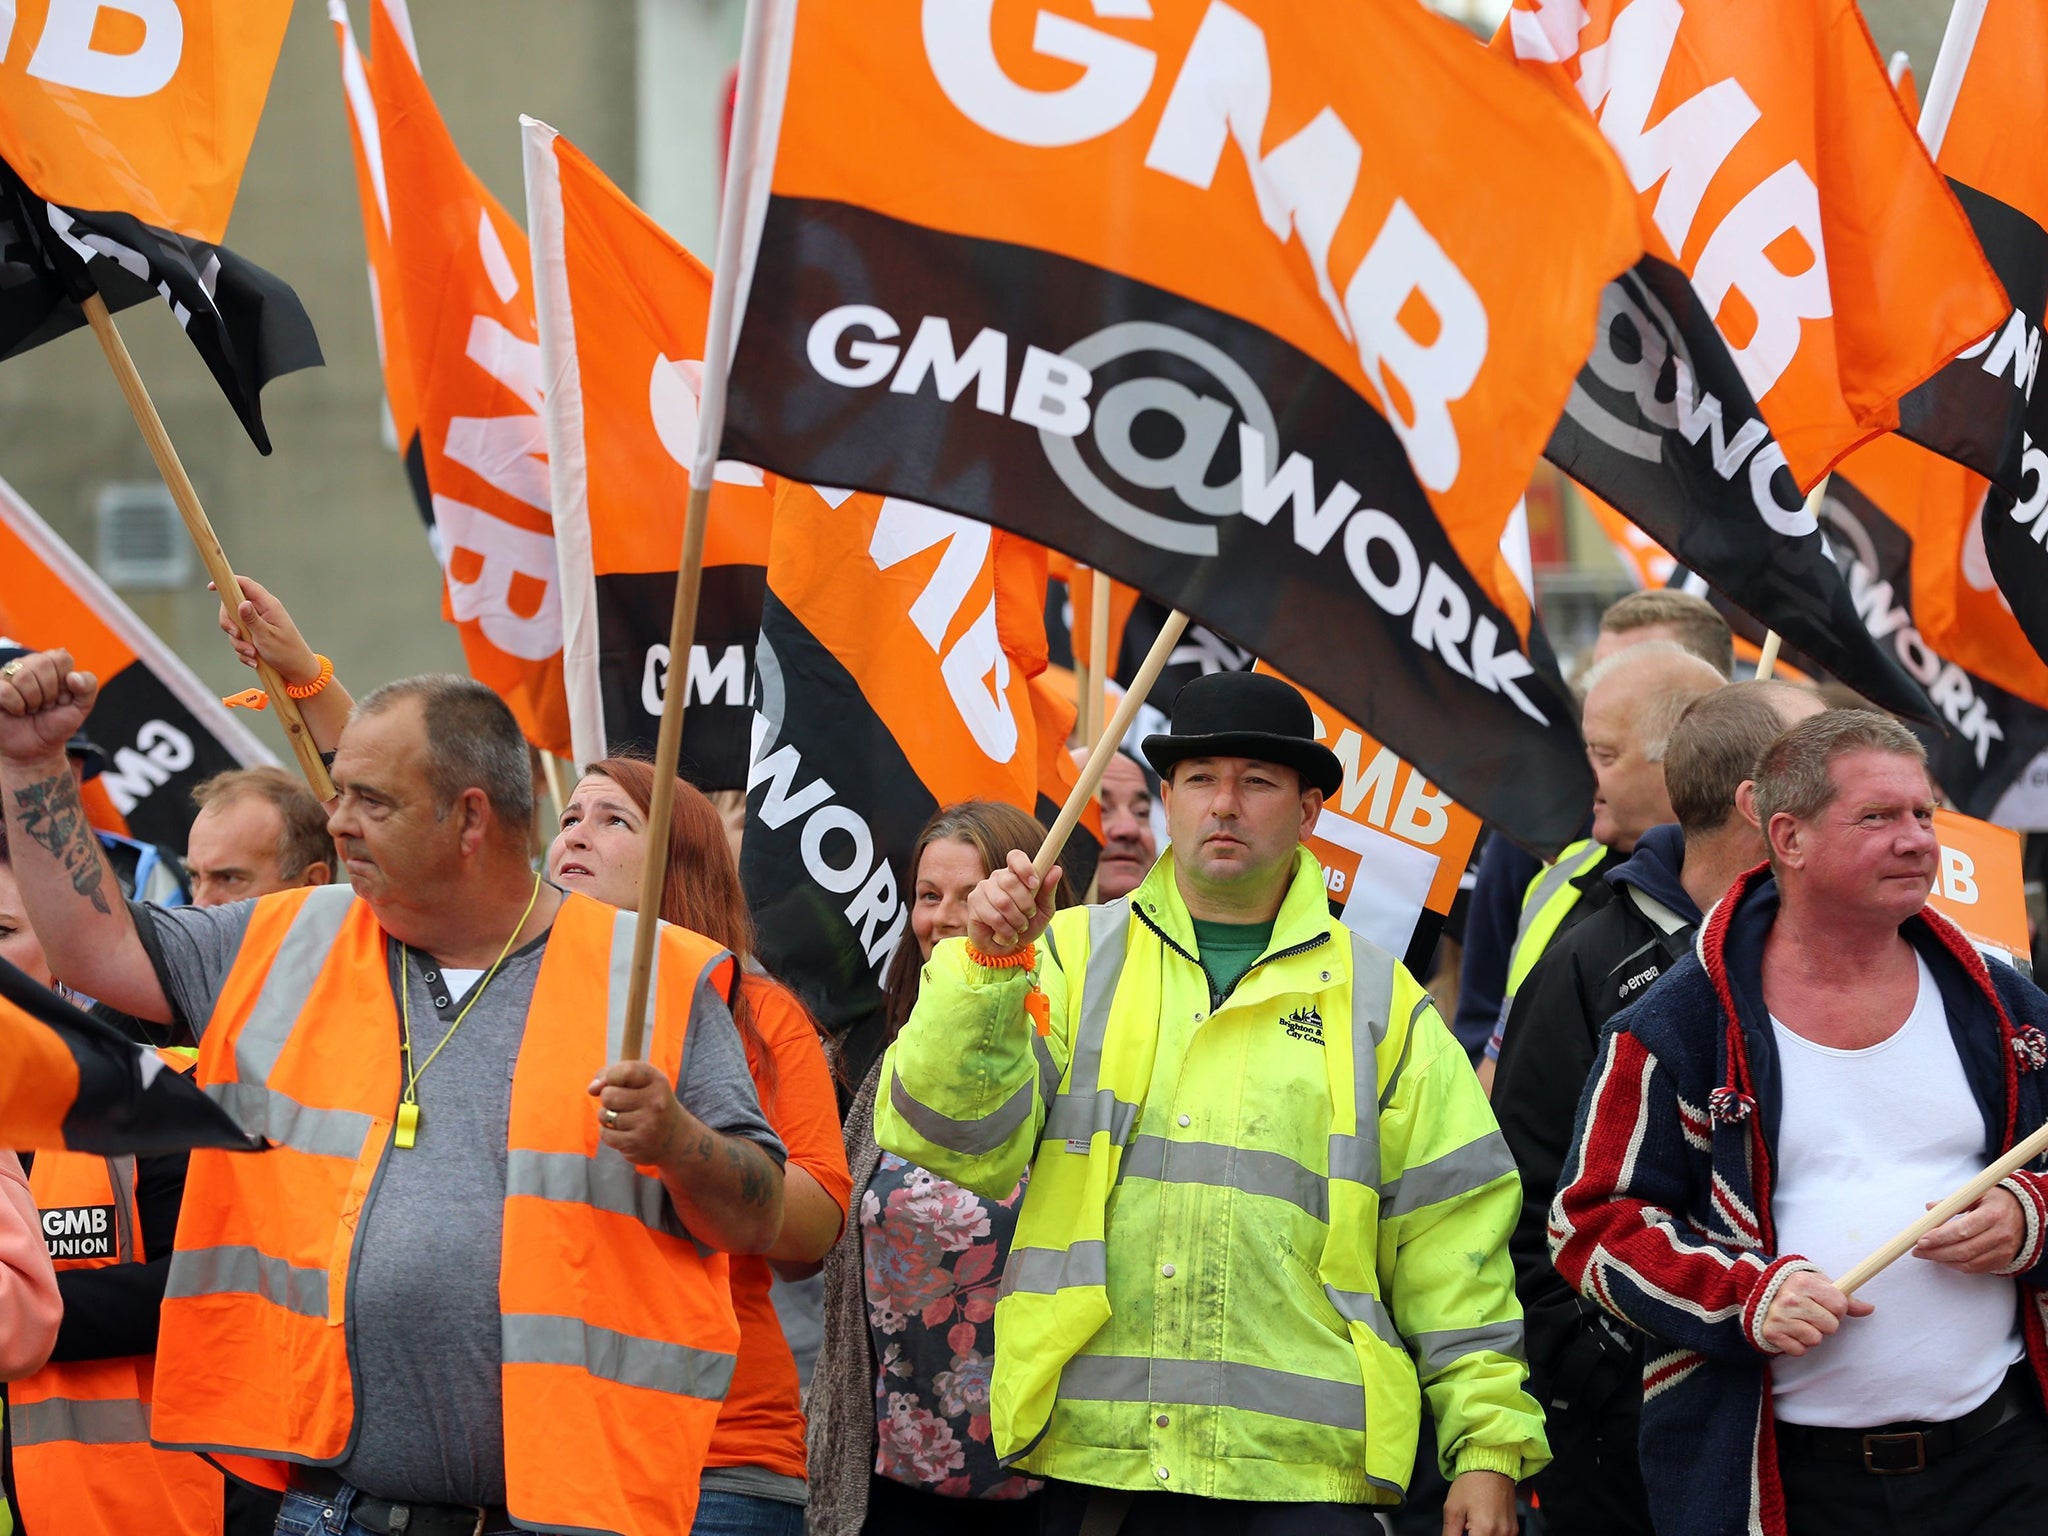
622	310
1083	312
142	109
1985	147
70	1082
366	148
464	294
162	729
246	324
1981	397
1804	267
899	644
1392	845
1872	513
1648	563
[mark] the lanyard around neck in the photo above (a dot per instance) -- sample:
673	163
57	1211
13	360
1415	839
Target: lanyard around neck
408	1128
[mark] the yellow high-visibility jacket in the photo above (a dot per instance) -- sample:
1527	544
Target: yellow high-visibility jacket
1255	1224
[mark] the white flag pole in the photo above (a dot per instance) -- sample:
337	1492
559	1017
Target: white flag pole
744	163
1950	65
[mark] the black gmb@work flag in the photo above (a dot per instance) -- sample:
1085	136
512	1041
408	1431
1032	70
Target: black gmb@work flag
1245	315
70	1082
246	324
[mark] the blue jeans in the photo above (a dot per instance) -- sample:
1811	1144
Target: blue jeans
744	1514
304	1515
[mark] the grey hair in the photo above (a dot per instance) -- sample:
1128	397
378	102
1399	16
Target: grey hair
472	742
1661	711
1794	777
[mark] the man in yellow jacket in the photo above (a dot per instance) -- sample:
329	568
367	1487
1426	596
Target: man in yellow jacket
1268	1208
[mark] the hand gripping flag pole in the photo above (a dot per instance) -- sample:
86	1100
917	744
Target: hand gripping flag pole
1961	1200
727	299
214	557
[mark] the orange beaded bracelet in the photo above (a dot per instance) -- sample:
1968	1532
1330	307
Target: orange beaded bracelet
308	690
1019	961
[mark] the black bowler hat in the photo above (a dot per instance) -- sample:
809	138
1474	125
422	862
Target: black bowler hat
1246	714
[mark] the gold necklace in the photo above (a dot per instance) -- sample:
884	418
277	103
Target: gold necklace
409	1098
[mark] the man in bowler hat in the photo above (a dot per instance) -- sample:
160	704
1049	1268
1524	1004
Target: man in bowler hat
1268	1206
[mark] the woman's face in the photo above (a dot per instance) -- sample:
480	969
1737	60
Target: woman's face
947	873
18	941
603	840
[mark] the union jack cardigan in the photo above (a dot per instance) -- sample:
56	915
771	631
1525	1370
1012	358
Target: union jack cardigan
1663	1214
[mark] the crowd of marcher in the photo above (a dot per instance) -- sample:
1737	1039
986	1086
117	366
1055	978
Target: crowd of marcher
1181	1212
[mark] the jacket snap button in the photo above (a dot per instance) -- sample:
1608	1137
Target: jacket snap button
1162	1473
1198	1015
1162	1421
1185	1121
1326	975
1166	1270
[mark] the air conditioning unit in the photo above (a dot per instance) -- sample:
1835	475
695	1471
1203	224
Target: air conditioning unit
140	541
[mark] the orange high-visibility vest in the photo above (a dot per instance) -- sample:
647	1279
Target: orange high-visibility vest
83	1464
618	1331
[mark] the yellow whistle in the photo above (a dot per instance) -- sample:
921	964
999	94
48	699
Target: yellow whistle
408	1124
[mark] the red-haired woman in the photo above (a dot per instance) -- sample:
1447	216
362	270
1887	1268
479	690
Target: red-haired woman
754	1477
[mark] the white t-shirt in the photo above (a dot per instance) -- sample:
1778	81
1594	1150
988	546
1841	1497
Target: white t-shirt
1866	1139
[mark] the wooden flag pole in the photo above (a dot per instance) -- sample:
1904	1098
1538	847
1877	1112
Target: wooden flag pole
210	553
1098	655
1098	759
1081	733
727	283
1961	1200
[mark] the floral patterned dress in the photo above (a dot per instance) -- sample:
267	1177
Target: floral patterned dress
933	1254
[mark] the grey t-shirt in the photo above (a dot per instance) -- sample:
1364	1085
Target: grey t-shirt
423	1302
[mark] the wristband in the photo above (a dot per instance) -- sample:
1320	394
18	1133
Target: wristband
1019	961
309	690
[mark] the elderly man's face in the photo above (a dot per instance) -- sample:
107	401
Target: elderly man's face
1628	796
1872	848
392	843
1128	847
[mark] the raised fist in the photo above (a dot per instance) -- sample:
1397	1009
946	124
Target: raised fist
43	704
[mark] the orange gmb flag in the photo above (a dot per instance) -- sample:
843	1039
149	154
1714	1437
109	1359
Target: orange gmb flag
366	144
463	283
898	648
144	109
622	310
1775	168
1392	845
1233	301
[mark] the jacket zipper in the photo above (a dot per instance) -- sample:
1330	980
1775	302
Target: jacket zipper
1215	1000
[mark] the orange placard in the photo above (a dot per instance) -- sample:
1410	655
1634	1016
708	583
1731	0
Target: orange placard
1392	845
140	109
1980	887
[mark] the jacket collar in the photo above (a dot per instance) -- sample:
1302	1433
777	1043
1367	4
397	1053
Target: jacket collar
1304	914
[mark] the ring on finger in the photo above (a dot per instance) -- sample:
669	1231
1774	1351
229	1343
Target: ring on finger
12	667
611	1119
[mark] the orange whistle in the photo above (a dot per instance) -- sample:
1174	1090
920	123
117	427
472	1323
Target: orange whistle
1039	1006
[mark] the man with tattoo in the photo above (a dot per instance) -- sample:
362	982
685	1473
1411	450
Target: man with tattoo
476	1280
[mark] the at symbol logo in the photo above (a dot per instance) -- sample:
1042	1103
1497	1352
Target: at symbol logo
1204	424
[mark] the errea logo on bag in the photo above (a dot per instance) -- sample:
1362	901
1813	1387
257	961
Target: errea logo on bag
79	1231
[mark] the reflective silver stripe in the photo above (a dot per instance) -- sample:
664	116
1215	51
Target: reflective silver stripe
1356	1158
969	1138
1076	1117
121	1173
1214	1384
79	1421
1048	1067
1226	1167
1045	1270
280	1118
1458	1172
533	1338
606	1182
250	1271
1364	1307
1415	1014
293	973
1435	1350
1568	866
619	983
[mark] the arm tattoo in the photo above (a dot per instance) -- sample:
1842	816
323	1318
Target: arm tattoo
51	816
751	1164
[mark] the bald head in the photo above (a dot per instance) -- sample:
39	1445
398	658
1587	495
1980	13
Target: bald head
1633	701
